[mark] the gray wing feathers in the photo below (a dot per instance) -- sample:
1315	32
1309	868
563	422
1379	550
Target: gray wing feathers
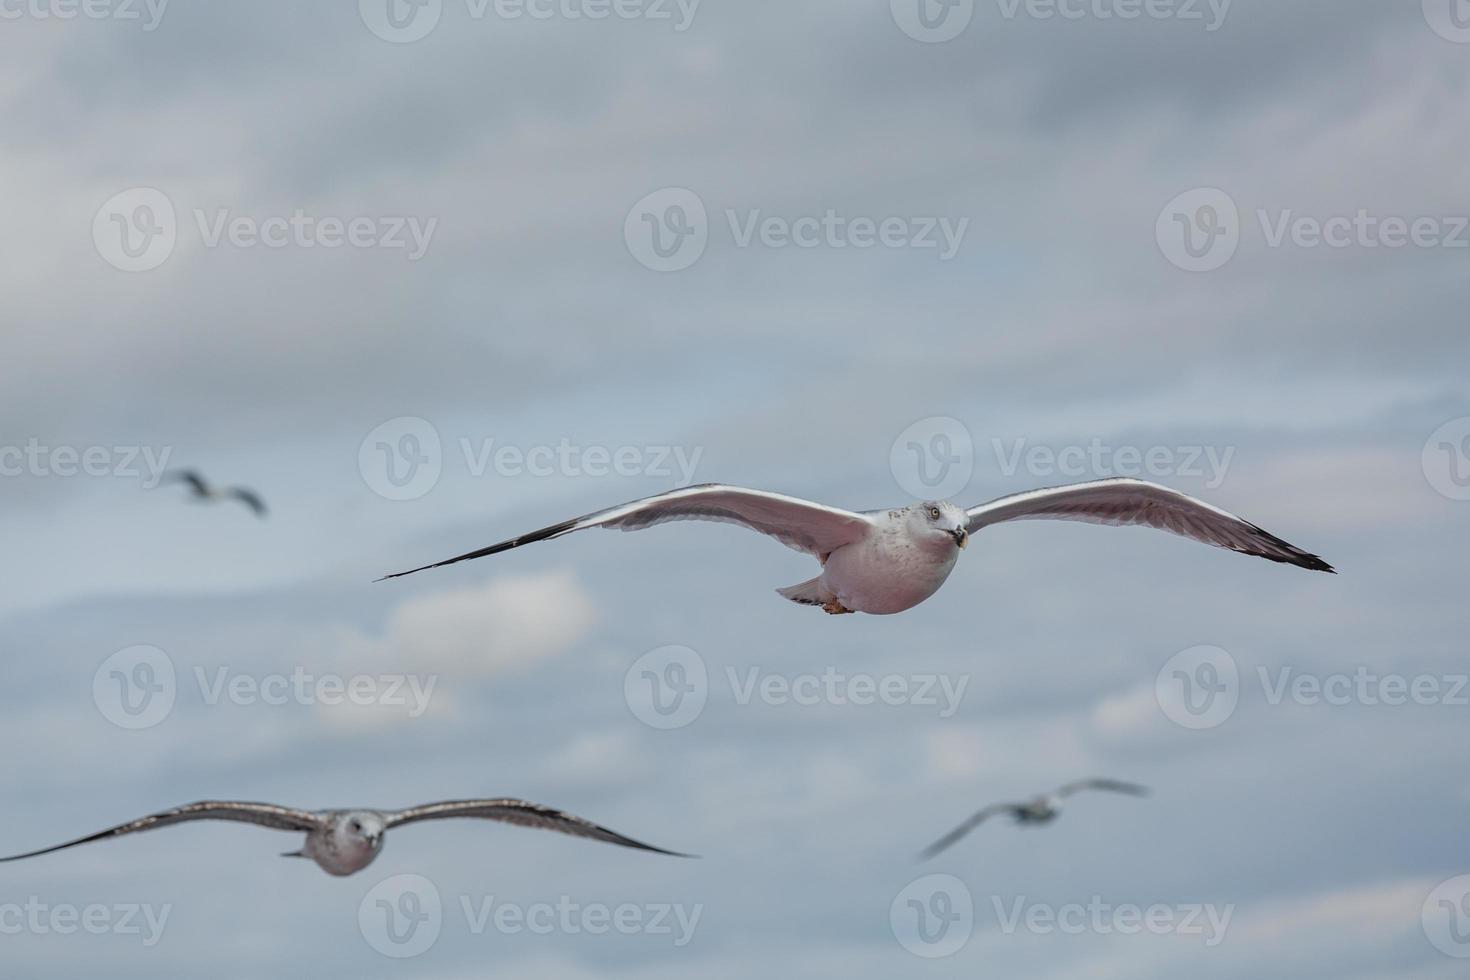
261	814
1135	502
954	836
1109	785
521	814
799	524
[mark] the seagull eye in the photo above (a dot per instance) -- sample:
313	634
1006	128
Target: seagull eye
934	513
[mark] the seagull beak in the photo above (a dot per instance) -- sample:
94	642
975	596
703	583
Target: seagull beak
961	537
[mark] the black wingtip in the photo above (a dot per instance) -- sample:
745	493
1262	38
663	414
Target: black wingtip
1294	555
638	845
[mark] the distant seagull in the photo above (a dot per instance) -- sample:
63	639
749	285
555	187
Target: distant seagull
886	561
1042	810
203	491
342	842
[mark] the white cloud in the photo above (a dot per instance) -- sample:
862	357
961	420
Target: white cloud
509	623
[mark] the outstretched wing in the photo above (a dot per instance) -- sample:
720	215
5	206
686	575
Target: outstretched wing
954	836
250	499
799	524
262	814
522	814
191	477
1109	785
1135	502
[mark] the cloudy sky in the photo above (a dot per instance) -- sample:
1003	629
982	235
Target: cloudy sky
427	275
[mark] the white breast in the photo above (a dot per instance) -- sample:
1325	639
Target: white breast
886	573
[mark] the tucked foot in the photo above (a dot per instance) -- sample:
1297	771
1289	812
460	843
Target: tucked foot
834	607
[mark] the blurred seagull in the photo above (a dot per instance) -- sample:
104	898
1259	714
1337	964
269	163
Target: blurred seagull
1041	810
886	561
342	842
201	490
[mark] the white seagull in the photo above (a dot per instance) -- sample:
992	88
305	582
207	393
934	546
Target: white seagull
886	561
1041	810
343	842
200	489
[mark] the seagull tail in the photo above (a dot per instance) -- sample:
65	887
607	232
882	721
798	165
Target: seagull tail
294	854
807	593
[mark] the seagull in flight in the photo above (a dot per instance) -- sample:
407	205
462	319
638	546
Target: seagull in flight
343	842
887	561
200	489
1032	813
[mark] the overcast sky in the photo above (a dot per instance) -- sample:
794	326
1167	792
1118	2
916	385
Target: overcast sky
428	275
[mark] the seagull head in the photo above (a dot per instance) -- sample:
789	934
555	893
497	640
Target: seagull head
360	830
940	522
